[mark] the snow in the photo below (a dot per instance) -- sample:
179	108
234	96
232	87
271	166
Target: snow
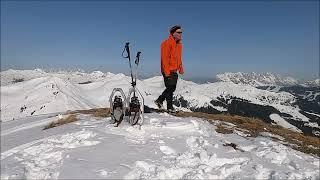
281	122
46	92
49	92
167	150
266	134
313	83
219	108
166	147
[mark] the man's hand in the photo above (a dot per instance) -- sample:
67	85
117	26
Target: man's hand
170	76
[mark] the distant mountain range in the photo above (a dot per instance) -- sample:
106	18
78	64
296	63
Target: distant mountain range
263	79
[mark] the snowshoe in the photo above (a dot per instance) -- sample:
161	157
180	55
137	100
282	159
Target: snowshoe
134	110
135	106
117	106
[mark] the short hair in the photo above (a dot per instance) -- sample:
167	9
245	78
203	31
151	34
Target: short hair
174	28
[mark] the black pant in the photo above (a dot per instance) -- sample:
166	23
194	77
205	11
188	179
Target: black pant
170	82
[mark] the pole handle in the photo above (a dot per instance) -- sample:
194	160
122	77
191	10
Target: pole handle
126	48
137	58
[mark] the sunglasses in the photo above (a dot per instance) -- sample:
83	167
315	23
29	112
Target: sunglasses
179	32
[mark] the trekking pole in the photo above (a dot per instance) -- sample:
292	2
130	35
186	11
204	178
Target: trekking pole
136	73
137	63
126	48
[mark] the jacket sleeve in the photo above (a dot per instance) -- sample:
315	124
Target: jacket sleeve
181	69
165	58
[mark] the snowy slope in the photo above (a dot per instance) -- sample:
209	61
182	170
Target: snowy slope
166	147
42	93
256	79
55	92
40	96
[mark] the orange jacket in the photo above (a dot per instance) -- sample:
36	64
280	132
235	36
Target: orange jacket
171	56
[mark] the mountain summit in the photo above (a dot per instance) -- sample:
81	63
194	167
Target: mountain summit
257	79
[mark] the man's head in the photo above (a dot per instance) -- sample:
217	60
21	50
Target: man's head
176	32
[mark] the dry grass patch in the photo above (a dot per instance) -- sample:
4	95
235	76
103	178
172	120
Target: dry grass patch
254	126
223	129
97	112
70	118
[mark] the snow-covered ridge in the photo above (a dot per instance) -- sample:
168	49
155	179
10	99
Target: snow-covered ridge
313	83
13	76
69	91
256	79
42	93
165	147
48	92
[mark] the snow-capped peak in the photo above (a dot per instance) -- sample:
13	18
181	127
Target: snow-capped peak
39	70
257	79
97	74
313	83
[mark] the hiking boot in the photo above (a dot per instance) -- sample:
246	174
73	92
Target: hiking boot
159	104
172	110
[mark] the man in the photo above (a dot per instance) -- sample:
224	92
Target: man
171	63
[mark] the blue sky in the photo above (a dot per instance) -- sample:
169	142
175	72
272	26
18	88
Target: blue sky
280	37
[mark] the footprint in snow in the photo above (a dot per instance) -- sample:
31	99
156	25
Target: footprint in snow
167	150
157	122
